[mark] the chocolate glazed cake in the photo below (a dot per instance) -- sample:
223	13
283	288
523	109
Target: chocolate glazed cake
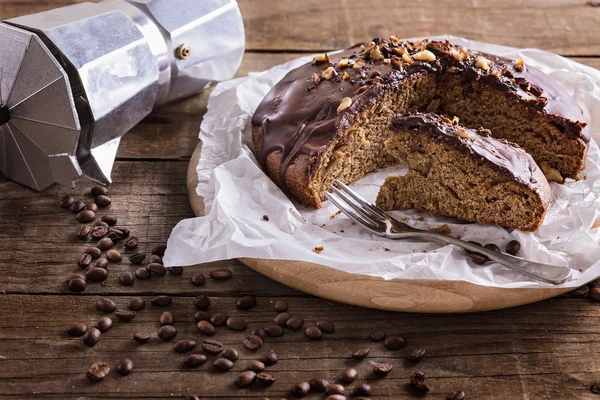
463	173
329	119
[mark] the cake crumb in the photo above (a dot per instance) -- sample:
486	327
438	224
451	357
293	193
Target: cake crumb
386	249
421	219
445	229
318	250
341	230
353	223
266	217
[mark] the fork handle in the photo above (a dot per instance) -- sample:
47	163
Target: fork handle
553	274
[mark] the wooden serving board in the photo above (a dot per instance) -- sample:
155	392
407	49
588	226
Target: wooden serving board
362	290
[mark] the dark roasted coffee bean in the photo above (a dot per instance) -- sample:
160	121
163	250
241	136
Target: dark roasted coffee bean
594	293
460	395
252	342
94	252
335	388
98	232
194	360
91	206
114	256
166	318
167	332
106	305
126	278
246	303
115	234
206	328
230	353
492	247
86	216
198	279
96	274
159	250
394	342
417	380
191	397
260	332
154	259
382	369
76	276
77	206
282	318
142	337
595	388
202	316
202	303
301	389
84	260
137	258
245	379
349	375
271	358
265	379
67	202
77	329
157	269
183	346
175	270
219	319
104	324
162	301
98	371
111	220
137	304
280	306
313	333
83	231
92	337
212	346
513	247
125	231
256	366
101	263
416	355
132	243
336	397
125	315
101	223
223	364
478	259
295	323
76	285
363	389
319	385
125	367
326	326
361	354
103	200
105	244
142	274
377	335
99	191
274	331
221	274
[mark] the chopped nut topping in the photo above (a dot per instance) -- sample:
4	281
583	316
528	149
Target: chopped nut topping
387	61
346	76
396	62
346	102
358	65
329	73
362	47
483	63
520	65
394	39
463	134
376	54
453	121
316	78
346	62
321	58
424	55
551	174
460	55
495	74
400	50
407	59
506	72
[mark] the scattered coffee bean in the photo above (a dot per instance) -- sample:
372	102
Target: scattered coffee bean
99	191
361	354
103	200
394	342
124	231
77	329
271	358
162	301
266	218
382	369
274	331
106	305
313	333
206	328
363	389
417	380
594	293
223	364
252	342
76	284
94	252
96	274
104	324
167	332
154	259
295	323
221	274
202	303
101	263
132	243
256	366
137	258
348	376
126	278
460	395
212	346
280	306
326	326
98	371
219	319
83	231
77	207
101	223
246	303
67	202
301	389
260	332
159	250
492	247
336	397
265	379
377	335
335	388
202	316
137	304
86	216
183	346
157	269
191	397
282	318
125	367
91	207
114	256
198	279
166	318
479	259
245	379
230	354
98	232
513	247
175	270
115	234
105	244
142	274
142	337
111	220
319	385
92	337
84	260
194	360
125	315
416	355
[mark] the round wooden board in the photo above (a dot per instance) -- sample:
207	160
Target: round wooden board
362	290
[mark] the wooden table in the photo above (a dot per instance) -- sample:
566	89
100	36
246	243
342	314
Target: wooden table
542	351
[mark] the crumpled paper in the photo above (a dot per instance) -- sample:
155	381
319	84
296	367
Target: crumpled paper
237	194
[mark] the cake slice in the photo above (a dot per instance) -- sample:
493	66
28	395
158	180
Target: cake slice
463	173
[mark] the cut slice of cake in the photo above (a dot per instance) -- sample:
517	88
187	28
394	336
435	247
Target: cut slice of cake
463	173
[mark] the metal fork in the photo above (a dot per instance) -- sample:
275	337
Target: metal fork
378	222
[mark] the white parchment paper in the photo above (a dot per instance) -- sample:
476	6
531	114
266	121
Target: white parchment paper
237	194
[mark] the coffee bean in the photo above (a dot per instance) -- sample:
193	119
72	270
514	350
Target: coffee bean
492	247
104	324
363	389
280	306
77	206
282	318
115	234
175	270
106	305
159	250
594	293
125	231
313	333
335	388
132	243
417	380
271	358
98	232
183	346
382	369
84	260
202	316
98	371
154	259
125	367
595	388
349	375
336	397
202	303
206	328
77	329
126	278
212	346
137	258
326	326
99	191
101	263
103	200
194	360
301	389
377	335
166	318
83	231
274	331
479	259
513	247
157	269
252	342
416	355
256	366
111	220
137	304
265	379
230	354
94	252
246	303
101	223
295	323
361	354
114	256
67	201
86	216
460	395
142	337
92	337
125	315
191	397
319	385
260	332
221	274
219	319
162	301
142	274
76	276
167	332
105	244
394	342
76	285
198	279
91	206
245	379
97	274
223	364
